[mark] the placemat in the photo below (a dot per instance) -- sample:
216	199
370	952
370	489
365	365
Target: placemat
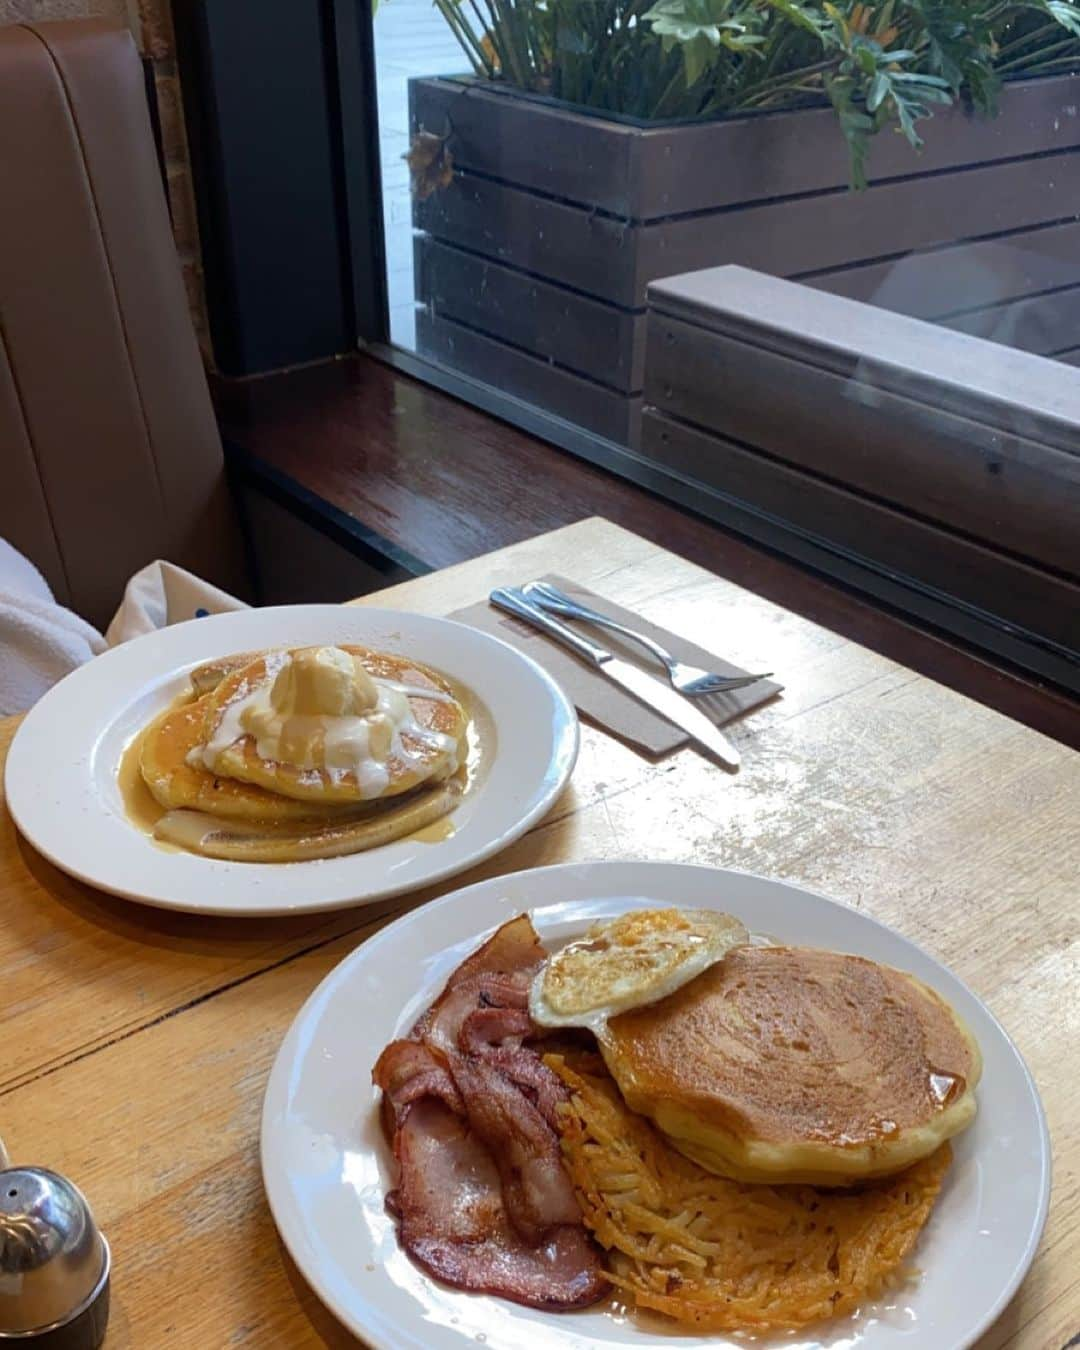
598	699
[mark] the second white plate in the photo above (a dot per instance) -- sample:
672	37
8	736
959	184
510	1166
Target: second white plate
62	789
326	1165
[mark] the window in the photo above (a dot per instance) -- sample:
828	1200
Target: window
565	153
778	260
550	165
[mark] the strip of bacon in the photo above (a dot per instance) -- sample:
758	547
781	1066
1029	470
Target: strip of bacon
483	1201
489	1028
556	1277
441	1026
495	1035
513	947
509	959
454	1224
525	1069
409	1070
536	1189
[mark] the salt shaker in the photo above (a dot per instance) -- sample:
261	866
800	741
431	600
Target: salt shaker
54	1263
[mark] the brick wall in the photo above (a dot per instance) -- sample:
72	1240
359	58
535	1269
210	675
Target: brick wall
154	32
151	23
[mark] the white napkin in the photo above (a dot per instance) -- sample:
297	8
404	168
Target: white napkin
40	641
162	594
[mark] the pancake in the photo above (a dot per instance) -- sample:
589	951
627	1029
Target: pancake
426	749
792	1064
333	835
175	783
208	676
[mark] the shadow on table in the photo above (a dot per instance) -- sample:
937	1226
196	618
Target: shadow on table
194	934
323	1322
215	935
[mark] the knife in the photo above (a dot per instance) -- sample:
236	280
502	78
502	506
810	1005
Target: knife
662	699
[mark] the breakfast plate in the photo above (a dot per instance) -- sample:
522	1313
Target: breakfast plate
327	1167
64	791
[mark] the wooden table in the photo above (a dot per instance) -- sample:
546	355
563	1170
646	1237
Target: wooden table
134	1044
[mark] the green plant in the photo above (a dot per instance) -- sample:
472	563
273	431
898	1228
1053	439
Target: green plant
879	64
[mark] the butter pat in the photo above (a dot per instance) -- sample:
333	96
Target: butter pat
323	680
317	710
324	711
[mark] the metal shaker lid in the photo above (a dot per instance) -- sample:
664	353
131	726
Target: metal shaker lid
54	1263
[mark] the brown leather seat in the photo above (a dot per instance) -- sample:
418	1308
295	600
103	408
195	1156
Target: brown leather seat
109	450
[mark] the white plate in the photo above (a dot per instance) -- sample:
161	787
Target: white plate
325	1163
61	771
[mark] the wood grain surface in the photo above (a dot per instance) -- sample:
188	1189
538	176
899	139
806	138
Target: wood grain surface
930	457
136	1044
698	167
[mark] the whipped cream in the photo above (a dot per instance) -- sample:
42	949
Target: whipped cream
320	711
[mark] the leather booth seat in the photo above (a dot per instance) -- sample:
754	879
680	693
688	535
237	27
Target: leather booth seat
109	450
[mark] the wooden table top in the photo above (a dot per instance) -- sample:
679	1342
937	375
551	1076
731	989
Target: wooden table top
136	1043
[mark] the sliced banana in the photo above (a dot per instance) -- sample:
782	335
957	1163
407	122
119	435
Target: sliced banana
247	841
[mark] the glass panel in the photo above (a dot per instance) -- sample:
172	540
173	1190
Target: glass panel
413	40
567	152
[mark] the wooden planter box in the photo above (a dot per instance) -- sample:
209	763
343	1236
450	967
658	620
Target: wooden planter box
932	457
532	266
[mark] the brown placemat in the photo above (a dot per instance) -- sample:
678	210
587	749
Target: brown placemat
596	698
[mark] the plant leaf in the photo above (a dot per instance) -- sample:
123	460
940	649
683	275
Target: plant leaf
698	54
855	125
879	88
802	15
1066	13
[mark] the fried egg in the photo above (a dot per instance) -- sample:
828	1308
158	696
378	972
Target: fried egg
628	962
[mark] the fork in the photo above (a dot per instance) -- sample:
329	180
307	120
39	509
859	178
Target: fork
691	681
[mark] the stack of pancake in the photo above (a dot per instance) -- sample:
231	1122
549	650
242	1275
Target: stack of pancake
762	1135
312	752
